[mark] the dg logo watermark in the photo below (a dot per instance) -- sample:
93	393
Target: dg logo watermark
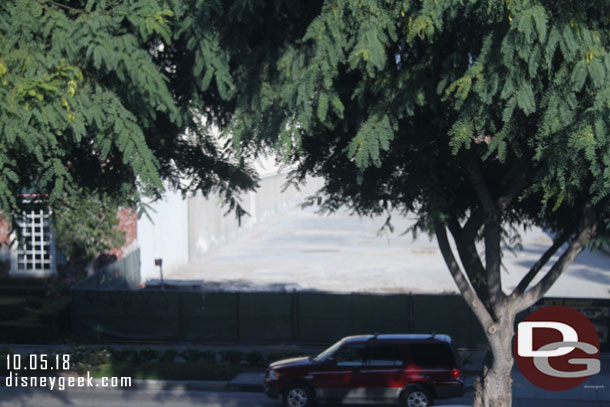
556	348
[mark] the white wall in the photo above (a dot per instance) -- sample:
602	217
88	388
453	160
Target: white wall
183	230
209	227
166	237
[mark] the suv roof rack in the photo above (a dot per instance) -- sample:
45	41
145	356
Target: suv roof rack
382	337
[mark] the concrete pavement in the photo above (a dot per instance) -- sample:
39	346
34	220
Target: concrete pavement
301	250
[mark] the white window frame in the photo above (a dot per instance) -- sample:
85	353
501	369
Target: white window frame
35	226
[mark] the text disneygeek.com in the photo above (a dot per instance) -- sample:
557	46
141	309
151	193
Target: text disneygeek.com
61	382
25	371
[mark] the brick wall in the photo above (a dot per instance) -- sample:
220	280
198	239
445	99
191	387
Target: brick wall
5	232
5	239
128	222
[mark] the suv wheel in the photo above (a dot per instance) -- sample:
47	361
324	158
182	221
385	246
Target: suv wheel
417	397
298	395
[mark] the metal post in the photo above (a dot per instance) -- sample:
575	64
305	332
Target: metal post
159	262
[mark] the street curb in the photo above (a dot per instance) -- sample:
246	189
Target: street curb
186	385
247	388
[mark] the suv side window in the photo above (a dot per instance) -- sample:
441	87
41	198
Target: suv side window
432	354
350	355
382	355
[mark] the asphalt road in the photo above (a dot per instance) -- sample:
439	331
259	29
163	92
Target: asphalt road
131	398
181	398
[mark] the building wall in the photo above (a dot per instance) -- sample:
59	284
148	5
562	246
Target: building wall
164	235
128	222
5	254
182	230
209	227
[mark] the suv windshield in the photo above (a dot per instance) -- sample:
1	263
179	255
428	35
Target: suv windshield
328	352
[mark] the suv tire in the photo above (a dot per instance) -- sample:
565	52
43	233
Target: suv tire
417	396
298	395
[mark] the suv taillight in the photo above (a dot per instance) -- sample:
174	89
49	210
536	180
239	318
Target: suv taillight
455	373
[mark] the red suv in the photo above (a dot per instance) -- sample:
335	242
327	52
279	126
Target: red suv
407	369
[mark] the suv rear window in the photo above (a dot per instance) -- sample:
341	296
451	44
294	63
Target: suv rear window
382	355
432	354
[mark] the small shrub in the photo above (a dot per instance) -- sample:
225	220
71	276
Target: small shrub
119	355
126	355
78	352
208	356
149	354
169	355
93	357
133	357
83	360
255	358
191	355
231	356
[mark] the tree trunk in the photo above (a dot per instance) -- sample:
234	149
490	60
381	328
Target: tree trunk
494	387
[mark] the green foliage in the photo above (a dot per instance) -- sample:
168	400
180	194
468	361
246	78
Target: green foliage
86	225
390	101
149	354
86	358
103	95
196	355
255	358
373	137
231	356
196	371
169	355
128	355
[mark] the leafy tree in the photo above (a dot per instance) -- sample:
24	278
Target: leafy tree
86	226
107	95
481	117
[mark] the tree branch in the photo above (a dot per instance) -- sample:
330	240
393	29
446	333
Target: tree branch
493	224
493	261
473	301
478	182
535	269
465	242
71	9
473	224
587	232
